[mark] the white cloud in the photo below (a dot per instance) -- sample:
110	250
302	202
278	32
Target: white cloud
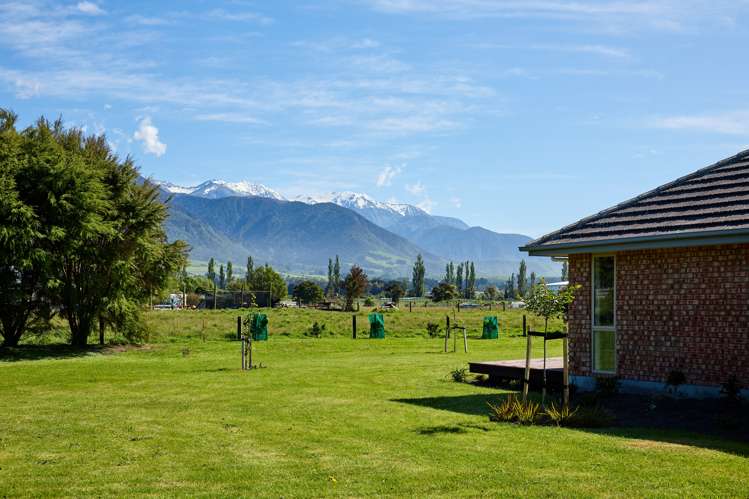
89	8
386	176
427	204
239	16
149	135
730	123
416	189
230	118
456	202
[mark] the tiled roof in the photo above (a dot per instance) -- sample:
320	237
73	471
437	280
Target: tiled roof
712	200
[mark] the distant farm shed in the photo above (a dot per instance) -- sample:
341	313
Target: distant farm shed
664	284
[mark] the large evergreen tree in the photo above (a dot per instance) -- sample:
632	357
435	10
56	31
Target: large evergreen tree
98	234
221	277
565	271
459	279
229	273
417	279
329	287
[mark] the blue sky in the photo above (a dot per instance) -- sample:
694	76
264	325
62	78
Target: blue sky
520	116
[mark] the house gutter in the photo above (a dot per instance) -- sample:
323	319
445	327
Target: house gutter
684	240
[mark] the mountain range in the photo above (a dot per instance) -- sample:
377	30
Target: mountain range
229	221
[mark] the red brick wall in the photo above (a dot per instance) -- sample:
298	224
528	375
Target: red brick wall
683	309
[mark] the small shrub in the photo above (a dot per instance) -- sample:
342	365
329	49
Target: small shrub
369	302
433	329
459	375
731	390
590	417
562	415
513	410
316	330
674	380
607	386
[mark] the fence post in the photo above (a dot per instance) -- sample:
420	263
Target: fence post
239	327
447	332
524	326
353	324
409	306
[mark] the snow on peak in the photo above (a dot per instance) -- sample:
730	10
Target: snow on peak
215	188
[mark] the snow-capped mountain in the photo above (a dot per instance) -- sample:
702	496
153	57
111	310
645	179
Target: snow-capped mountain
215	189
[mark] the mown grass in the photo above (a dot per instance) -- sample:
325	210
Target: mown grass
326	417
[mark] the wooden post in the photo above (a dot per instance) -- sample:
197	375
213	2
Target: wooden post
524	326
504	306
527	375
409	306
458	306
447	332
239	327
214	296
249	351
353	324
242	346
543	389
565	373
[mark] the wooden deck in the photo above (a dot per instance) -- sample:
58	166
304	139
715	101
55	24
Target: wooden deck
500	370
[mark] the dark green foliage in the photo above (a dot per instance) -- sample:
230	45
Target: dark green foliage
369	302
417	277
85	234
565	271
229	273
249	270
491	293
522	287
316	331
211	274
221	277
459	375
308	292
433	329
444	291
268	286
395	291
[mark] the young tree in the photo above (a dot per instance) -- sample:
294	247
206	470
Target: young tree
459	278
211	274
444	291
221	277
533	280
522	287
395	291
229	273
417	278
308	292
548	304
249	270
354	286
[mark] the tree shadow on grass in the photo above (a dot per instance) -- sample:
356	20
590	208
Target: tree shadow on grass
46	352
474	405
653	433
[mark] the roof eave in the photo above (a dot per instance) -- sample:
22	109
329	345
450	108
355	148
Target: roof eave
684	240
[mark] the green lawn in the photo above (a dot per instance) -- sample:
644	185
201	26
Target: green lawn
329	416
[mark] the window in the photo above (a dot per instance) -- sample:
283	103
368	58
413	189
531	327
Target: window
604	330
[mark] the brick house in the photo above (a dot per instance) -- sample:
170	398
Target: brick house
664	284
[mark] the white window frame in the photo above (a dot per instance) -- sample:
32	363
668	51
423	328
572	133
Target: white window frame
593	326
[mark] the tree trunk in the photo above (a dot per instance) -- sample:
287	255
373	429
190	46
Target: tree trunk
102	326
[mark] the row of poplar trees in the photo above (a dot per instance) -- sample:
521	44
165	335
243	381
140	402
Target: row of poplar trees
463	277
80	235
